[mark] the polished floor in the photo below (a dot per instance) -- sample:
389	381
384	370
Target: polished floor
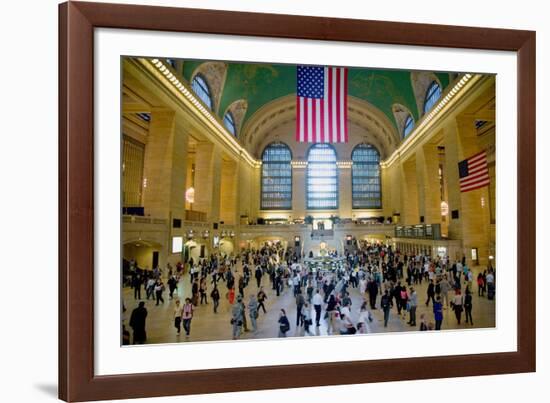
208	326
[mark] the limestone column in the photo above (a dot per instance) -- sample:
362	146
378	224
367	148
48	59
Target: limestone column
164	166
299	191
228	192
344	192
429	193
207	180
409	193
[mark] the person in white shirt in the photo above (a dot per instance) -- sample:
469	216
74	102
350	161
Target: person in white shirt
317	302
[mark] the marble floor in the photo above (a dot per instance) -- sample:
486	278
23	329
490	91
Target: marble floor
208	326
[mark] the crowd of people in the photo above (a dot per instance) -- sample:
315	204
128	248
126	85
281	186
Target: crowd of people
386	281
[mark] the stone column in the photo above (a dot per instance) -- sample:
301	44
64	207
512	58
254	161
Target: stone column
344	192
299	191
207	180
228	192
409	193
427	173
164	166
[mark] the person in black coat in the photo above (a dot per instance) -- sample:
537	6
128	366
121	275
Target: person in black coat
431	293
137	323
372	287
136	285
258	274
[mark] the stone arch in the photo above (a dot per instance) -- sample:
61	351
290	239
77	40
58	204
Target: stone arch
238	109
420	81
215	74
400	113
276	121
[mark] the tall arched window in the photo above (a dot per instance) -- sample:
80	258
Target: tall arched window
200	86
276	177
432	96
229	123
408	126
365	177
322	178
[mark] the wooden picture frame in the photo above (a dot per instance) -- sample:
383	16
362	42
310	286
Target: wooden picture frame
77	21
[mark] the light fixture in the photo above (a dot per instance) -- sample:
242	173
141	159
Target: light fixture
444	208
190	195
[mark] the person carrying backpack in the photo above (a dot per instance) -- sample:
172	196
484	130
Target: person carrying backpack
468	306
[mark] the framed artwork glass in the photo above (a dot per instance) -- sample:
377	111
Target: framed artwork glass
350	175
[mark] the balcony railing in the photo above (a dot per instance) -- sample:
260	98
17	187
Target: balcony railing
143	220
197	216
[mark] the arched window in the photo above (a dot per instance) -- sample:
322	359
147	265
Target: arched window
202	90
408	126
432	95
365	177
229	123
322	178
276	177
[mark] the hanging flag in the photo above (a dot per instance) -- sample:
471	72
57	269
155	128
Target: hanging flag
473	172
321	104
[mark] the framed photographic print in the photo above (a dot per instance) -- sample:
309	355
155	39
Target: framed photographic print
290	201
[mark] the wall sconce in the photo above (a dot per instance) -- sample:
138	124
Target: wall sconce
190	234
232	234
205	234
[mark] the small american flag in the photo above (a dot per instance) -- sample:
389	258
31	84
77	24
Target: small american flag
473	172
322	104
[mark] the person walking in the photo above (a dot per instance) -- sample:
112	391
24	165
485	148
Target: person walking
258	274
306	314
386	304
284	324
445	288
262	296
317	302
195	292
438	313
468	306
253	312
159	289
430	293
215	295
480	285
172	285
202	290
404	297
237	315
178	312
187	316
413	303
331	313
300	301
458	305
137	323
136	285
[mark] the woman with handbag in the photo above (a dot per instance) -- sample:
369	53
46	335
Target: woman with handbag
237	316
458	303
187	315
284	324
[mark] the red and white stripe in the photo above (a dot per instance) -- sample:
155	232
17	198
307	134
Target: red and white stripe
325	120
478	173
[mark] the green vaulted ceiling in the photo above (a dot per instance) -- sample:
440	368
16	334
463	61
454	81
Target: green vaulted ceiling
260	84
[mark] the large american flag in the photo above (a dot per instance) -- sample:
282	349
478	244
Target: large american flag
473	172
322	104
